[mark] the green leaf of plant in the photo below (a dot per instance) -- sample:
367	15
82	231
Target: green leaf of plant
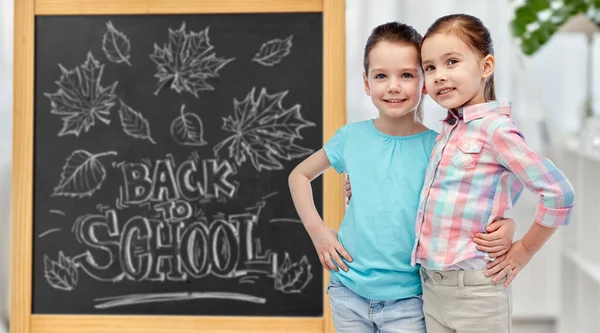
572	2
529	46
576	6
582	7
548	28
540	36
562	14
525	15
538	5
517	28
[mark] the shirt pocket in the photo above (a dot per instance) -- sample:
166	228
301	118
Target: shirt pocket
468	154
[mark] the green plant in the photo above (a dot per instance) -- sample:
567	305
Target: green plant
537	20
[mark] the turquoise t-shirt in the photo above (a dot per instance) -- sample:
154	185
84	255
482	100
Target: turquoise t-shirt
378	230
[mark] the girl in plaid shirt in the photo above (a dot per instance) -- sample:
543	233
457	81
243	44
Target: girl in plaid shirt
479	167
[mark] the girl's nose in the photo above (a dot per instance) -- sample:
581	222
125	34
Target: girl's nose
440	76
394	86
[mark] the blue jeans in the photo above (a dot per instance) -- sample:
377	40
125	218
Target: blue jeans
354	313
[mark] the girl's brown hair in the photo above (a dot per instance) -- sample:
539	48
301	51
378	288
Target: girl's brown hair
394	32
471	31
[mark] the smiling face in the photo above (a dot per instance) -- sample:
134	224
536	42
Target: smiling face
454	73
394	79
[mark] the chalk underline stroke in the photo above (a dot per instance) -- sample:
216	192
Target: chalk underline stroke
124	300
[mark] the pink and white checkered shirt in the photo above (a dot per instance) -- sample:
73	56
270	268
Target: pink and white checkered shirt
477	171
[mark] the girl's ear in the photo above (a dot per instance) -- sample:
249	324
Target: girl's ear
366	82
424	90
488	66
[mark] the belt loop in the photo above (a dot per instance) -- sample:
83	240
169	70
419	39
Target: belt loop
461	283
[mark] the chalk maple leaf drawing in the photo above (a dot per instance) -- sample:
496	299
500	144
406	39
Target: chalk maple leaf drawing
293	277
186	62
264	131
82	174
61	274
80	98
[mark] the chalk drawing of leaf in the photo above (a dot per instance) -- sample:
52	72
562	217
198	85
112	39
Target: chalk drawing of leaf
82	174
61	274
116	45
273	51
134	123
187	129
80	98
186	62
263	131
293	277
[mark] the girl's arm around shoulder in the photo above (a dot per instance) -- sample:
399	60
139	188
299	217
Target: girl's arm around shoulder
537	173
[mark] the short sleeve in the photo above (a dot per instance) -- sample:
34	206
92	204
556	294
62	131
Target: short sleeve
334	149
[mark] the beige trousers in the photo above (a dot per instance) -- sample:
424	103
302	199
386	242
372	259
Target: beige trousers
465	302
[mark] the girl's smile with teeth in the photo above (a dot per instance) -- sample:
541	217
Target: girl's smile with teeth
399	100
445	91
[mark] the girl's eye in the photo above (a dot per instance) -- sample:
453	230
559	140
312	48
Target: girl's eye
380	76
407	76
429	68
452	61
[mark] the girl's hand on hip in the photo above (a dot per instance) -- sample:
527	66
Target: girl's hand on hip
328	247
512	263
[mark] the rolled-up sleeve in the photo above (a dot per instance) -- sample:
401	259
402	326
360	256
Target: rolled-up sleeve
537	173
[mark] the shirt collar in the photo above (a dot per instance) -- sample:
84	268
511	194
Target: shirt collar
477	111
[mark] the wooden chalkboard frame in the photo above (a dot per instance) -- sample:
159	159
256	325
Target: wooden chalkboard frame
334	116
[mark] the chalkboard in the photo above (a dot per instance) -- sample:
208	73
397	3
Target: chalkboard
162	146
